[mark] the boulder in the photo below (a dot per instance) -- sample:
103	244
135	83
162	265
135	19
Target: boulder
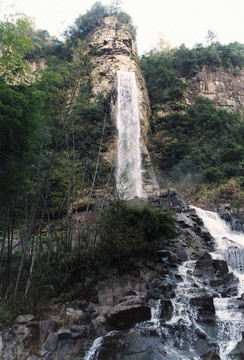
20	333
205	308
166	310
125	315
24	319
74	314
50	344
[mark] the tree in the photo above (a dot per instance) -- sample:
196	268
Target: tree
14	43
211	37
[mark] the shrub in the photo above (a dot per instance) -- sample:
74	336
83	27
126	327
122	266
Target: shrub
129	232
212	174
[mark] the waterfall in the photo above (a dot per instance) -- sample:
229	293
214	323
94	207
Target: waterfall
205	323
229	244
91	353
230	247
128	171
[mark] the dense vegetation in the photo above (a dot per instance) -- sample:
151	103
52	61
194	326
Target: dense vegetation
199	143
53	133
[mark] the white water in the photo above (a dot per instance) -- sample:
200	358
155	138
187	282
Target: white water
92	352
128	171
229	244
181	336
229	247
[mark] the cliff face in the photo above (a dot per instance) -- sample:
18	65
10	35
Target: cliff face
116	51
222	87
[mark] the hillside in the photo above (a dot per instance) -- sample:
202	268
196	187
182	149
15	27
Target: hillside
65	231
197	124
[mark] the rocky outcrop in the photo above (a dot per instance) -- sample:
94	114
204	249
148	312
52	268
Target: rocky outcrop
116	51
121	302
235	217
223	87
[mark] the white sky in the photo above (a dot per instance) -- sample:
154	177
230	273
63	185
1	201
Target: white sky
177	21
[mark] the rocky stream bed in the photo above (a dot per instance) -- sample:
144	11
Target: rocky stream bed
169	307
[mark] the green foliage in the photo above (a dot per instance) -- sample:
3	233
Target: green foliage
84	24
212	174
163	82
164	70
128	232
6	317
204	141
20	133
44	46
14	43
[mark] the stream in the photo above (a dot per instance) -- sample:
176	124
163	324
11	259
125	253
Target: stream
207	319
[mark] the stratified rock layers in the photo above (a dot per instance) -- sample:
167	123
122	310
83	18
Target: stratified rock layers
116	51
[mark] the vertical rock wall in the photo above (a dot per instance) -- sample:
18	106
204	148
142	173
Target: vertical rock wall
116	51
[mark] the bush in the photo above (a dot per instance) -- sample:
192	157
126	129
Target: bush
6	317
212	174
129	232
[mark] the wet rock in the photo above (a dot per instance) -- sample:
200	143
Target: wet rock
238	352
220	267
215	273
124	316
10	352
235	217
210	356
205	308
78	331
182	255
226	285
166	310
168	256
185	220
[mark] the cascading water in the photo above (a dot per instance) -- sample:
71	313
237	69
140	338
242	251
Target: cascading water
128	171
230	247
205	323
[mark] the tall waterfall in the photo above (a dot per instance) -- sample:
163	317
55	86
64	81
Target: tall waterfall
128	172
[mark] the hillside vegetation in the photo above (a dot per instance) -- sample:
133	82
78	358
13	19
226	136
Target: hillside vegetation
53	133
198	147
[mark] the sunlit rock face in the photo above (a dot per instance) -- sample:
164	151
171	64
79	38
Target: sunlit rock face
223	87
116	51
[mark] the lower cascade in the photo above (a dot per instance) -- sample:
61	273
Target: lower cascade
128	172
206	317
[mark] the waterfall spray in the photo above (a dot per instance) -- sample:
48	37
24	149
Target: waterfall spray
128	171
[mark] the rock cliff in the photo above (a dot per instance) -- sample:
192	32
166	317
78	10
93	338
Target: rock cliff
223	87
116	50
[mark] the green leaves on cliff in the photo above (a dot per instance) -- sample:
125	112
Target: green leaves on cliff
14	43
205	142
164	71
87	22
20	133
